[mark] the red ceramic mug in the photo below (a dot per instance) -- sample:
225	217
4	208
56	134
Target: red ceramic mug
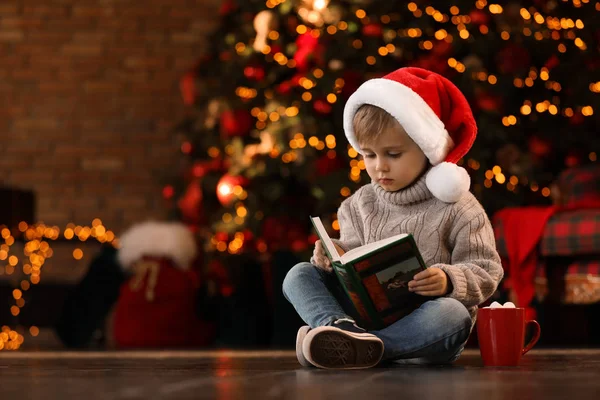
501	335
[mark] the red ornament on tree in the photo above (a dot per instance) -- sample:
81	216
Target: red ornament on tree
284	233
489	103
190	204
352	81
235	123
198	170
539	147
168	192
442	49
372	30
227	7
256	73
326	165
572	160
227	188
186	147
308	49
513	58
187	86
479	17
433	63
322	106
222	236
284	87
577	119
552	62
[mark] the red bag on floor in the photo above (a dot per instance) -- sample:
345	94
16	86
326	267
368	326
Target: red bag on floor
157	304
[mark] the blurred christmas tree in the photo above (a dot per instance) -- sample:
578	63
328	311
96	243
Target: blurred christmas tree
263	147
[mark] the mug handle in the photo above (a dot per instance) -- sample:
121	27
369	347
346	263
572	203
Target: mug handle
536	336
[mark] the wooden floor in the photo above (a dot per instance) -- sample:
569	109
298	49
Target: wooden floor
544	374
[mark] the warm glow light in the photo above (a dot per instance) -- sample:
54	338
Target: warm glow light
495	8
320	5
301	29
78	254
225	189
587	111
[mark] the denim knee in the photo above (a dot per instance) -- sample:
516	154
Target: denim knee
296	274
455	313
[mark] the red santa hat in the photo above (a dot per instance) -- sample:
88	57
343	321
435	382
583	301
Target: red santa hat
433	112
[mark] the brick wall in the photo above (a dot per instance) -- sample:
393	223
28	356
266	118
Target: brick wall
88	92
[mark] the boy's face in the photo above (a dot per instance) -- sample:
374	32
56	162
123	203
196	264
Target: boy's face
393	160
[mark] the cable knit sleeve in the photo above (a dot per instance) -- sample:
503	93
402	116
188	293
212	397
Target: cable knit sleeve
351	226
476	270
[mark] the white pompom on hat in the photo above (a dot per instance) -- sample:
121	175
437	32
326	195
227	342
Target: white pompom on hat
434	113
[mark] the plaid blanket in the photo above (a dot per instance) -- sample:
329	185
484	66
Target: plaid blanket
573	231
566	233
579	184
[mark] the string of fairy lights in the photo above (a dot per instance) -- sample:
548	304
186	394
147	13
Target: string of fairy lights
536	24
27	268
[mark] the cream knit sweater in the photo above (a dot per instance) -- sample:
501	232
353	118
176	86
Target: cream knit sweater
456	237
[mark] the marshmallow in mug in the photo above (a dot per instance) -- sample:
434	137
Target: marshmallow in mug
495	304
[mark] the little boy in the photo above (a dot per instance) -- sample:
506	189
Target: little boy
411	127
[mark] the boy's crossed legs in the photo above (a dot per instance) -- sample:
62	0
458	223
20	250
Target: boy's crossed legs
434	333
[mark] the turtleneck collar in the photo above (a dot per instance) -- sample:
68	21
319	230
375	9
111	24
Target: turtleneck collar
415	193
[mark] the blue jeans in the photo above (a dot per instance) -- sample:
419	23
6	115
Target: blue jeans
435	333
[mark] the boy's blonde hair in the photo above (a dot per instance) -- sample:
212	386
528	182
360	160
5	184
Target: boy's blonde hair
370	121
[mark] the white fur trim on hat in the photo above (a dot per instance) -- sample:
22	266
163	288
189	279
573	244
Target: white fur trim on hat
157	239
448	182
412	112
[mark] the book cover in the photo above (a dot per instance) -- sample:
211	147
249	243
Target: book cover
375	276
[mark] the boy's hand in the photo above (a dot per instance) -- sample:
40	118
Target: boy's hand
320	256
431	282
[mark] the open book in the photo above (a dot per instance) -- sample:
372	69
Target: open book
354	253
375	276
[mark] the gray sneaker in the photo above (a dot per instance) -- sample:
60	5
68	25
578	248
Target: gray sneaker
341	346
299	340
